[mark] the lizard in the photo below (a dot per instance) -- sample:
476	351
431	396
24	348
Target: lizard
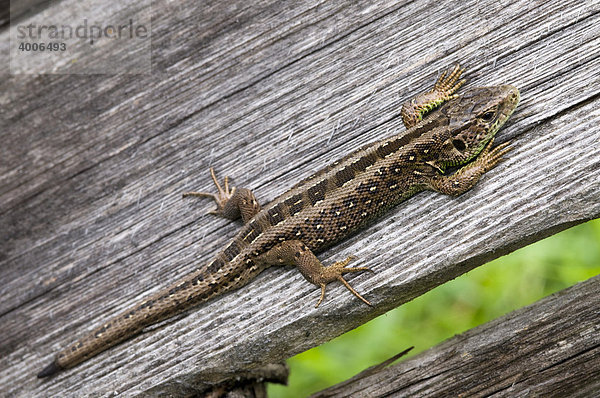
446	147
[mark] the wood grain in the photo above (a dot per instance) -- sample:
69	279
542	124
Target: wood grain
92	168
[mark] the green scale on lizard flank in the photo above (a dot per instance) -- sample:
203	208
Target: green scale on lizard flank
331	205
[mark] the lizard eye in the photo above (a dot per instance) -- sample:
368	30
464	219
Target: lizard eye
489	115
459	145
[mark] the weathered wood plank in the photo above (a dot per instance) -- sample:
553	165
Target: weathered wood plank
548	349
92	167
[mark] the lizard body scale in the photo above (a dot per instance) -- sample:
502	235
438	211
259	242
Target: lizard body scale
330	205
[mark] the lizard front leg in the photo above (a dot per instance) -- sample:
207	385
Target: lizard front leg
443	90
231	204
466	177
294	252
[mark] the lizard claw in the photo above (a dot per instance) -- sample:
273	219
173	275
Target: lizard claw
335	272
491	157
221	197
446	86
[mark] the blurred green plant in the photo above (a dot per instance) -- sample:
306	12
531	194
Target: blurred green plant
487	292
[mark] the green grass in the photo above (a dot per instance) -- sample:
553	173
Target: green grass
479	296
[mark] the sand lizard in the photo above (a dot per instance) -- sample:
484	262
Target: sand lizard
444	130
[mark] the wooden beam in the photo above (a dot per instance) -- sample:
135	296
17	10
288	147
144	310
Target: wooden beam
92	168
548	349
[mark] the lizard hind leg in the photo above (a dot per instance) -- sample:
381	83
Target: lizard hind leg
231	203
294	252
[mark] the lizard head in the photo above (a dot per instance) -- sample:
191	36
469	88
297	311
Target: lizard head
473	120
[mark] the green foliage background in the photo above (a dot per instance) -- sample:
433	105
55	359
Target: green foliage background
487	292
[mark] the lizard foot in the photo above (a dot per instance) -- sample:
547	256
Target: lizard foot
222	196
491	157
334	272
446	86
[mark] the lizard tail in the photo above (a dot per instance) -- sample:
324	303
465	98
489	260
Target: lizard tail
196	288
49	370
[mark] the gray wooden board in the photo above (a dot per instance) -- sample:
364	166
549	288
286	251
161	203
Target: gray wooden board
548	349
92	168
